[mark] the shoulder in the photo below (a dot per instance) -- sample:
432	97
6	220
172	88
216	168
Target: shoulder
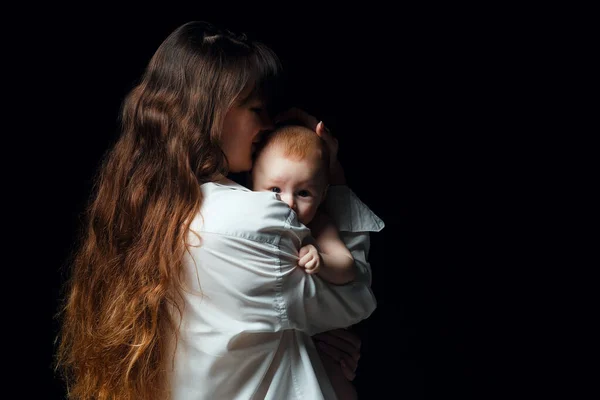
234	210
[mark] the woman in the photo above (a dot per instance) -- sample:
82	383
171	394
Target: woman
185	285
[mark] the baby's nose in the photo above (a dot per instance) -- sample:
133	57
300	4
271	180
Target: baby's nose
289	200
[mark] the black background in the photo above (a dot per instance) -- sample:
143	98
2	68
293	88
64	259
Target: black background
423	103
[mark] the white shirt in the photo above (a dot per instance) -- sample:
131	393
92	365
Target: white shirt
249	311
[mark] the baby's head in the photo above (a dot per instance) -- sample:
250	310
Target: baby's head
293	161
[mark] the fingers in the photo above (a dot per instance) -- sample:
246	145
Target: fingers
304	250
304	260
307	120
347	371
342	340
345	360
339	373
309	263
312	266
306	254
297	114
347	335
349	362
323	131
332	143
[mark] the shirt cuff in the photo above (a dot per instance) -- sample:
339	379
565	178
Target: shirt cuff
349	212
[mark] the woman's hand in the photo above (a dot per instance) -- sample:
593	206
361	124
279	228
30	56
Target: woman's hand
344	388
336	172
343	346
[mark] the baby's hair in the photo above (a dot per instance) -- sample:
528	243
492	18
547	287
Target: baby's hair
297	142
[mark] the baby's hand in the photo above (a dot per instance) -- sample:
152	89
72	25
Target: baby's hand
310	259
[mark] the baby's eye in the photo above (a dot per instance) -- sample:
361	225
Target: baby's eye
304	193
257	110
276	190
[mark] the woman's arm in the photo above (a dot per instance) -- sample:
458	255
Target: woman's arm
248	254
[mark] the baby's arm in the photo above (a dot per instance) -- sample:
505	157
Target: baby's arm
334	262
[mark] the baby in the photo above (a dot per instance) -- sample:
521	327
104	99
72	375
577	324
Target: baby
293	161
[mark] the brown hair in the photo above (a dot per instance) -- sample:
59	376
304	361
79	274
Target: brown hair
117	314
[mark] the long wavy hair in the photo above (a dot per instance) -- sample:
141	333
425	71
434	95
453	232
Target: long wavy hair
122	301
